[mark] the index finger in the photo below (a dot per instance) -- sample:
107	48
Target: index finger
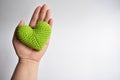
35	16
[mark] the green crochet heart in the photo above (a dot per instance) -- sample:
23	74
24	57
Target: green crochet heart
34	38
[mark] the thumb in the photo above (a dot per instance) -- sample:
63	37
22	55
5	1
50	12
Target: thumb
21	23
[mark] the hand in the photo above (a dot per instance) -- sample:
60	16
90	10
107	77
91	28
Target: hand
24	52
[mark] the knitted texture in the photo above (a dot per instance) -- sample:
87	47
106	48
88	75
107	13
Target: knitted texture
34	38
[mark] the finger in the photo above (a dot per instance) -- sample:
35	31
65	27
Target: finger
20	24
35	17
50	22
47	17
42	13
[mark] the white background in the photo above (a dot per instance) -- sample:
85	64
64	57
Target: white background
85	42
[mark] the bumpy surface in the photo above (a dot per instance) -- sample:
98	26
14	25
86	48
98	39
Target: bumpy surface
34	38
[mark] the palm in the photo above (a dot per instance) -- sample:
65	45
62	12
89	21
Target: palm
24	52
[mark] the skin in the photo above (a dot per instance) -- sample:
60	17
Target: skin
27	67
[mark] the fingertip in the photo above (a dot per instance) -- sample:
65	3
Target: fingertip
44	5
50	22
38	7
21	23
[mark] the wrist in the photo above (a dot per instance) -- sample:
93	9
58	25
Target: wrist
26	70
28	62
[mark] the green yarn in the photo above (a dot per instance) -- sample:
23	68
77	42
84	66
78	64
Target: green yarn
34	38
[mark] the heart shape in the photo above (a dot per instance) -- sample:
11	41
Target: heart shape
34	38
